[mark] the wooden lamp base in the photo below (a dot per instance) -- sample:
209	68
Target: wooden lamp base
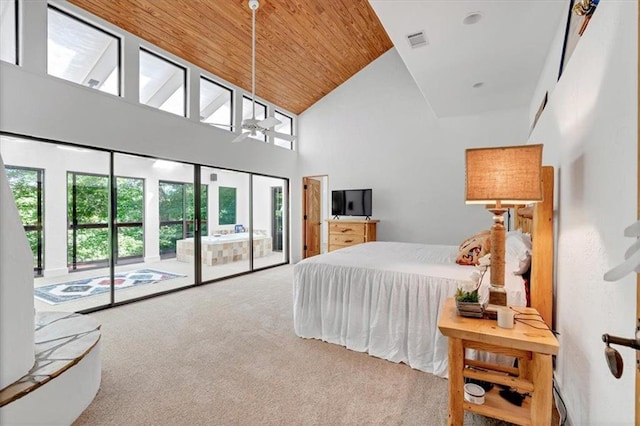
497	292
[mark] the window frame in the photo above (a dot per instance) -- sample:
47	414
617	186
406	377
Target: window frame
277	111
16	35
231	103
118	38
185	81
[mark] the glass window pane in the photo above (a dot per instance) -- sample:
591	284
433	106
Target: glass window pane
130	242
129	218
226	206
8	31
88	220
81	53
162	84
28	193
286	126
215	104
91	247
247	112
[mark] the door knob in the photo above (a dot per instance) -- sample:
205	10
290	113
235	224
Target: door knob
613	357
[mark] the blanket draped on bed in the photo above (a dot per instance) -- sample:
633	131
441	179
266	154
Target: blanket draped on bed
382	298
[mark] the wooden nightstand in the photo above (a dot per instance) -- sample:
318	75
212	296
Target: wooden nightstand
532	347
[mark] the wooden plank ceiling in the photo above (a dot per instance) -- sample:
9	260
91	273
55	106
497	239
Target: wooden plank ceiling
304	48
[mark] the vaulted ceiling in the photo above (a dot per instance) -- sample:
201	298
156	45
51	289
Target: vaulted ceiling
304	48
480	55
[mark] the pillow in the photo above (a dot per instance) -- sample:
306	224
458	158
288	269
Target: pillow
474	248
518	251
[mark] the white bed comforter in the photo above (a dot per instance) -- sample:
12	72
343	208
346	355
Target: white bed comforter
384	298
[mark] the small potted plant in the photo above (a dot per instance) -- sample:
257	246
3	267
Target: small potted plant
467	299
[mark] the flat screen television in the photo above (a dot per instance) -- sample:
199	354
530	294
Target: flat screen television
351	202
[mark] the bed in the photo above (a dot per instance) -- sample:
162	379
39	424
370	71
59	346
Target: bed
384	298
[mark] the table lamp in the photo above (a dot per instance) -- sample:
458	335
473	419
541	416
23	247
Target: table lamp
499	177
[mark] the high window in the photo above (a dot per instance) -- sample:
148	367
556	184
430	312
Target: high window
9	31
215	104
27	186
162	83
82	53
286	126
247	112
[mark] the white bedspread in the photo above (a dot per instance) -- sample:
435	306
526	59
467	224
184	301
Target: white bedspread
384	298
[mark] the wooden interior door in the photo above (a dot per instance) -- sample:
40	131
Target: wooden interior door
312	217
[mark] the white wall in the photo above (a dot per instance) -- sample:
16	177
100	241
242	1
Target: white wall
589	131
377	131
16	291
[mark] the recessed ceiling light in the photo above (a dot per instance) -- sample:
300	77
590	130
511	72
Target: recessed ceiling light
478	85
472	18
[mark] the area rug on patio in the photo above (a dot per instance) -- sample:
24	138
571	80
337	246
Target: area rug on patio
73	290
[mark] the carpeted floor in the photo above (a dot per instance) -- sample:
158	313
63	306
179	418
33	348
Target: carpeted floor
226	353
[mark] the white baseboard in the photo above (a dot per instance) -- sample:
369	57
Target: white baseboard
55	272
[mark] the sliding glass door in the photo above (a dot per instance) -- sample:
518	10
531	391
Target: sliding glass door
108	227
270	207
154	212
225	239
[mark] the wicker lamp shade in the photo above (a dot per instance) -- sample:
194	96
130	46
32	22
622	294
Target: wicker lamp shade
509	175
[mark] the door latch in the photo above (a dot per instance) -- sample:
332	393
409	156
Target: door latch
613	357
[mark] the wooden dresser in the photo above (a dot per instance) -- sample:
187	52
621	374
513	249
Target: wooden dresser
345	233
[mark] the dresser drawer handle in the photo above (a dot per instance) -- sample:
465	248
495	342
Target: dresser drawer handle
346	230
348	241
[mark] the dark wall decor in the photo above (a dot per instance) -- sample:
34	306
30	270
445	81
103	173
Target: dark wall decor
543	104
580	12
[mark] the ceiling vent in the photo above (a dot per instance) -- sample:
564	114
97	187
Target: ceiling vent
417	39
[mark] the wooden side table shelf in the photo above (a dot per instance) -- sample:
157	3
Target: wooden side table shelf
533	348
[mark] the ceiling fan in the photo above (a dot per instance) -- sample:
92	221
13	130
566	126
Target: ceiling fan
252	125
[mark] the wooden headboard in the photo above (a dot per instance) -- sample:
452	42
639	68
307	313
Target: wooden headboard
538	221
